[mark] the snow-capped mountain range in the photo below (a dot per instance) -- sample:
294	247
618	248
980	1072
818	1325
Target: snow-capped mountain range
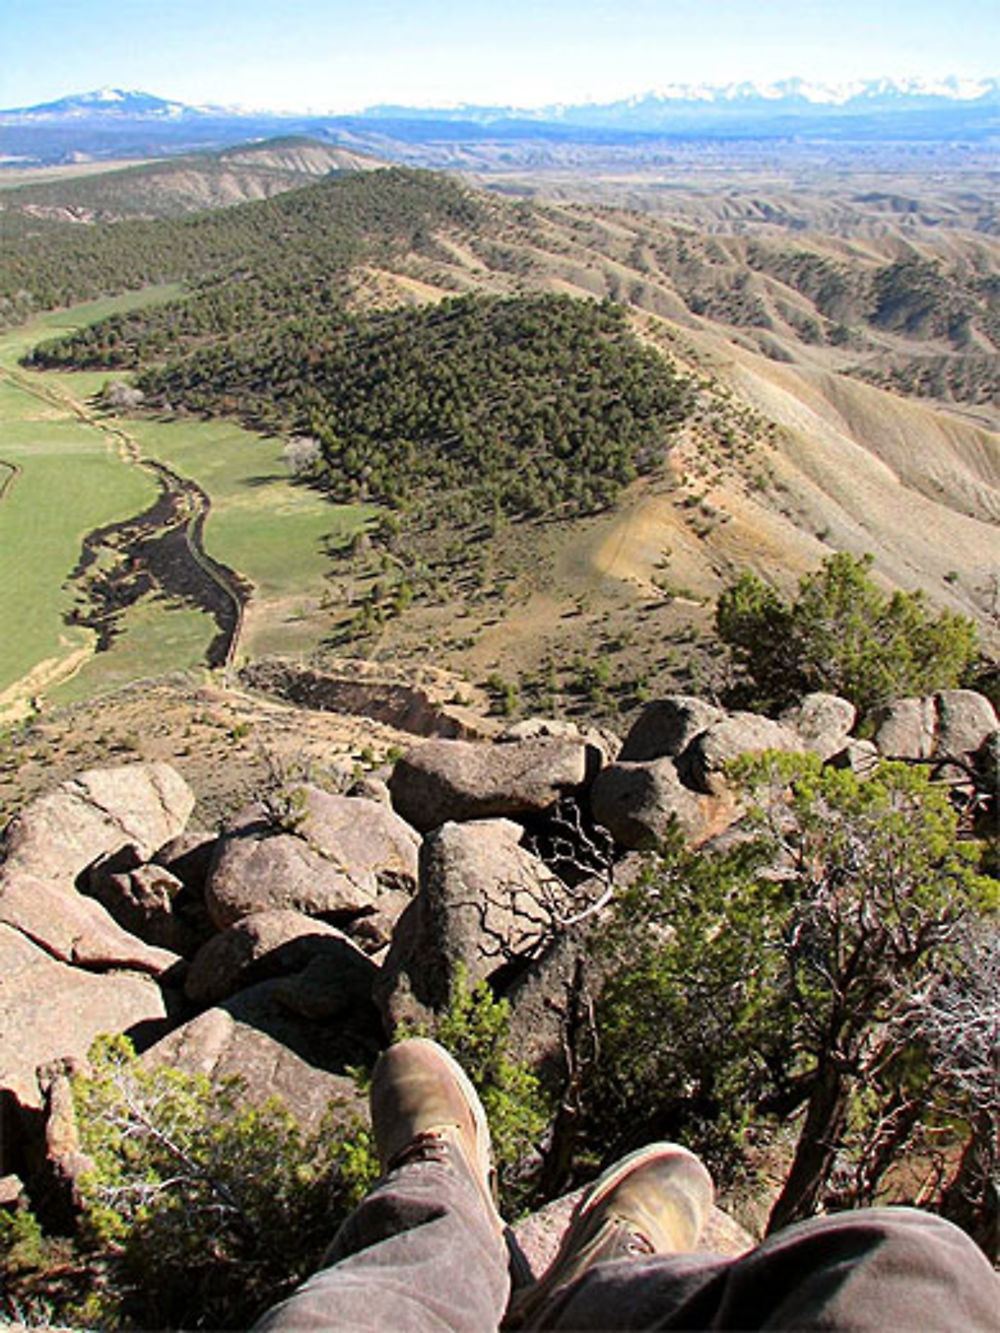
646	110
123	123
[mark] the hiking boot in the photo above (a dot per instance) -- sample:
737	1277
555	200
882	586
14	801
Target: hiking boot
655	1201
425	1109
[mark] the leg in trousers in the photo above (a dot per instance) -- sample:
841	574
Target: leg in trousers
419	1254
875	1269
425	1252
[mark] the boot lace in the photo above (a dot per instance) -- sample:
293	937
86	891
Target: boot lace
430	1146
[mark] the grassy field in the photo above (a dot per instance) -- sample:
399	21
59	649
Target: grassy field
70	480
15	342
157	637
269	530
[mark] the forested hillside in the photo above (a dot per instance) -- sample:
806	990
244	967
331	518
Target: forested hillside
288	246
913	315
534	405
528	405
426	349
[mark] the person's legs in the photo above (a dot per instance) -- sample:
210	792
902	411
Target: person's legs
425	1250
893	1268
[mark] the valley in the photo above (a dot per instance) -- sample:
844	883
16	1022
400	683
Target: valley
789	448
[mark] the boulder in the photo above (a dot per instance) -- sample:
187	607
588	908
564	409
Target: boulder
143	900
274	1052
554	988
905	729
951	724
324	993
861	757
666	727
96	813
603	739
13	1195
189	856
259	869
55	1182
49	1010
477	908
464	780
965	719
530	728
639	803
345	856
986	764
738	734
371	788
822	721
272	944
73	928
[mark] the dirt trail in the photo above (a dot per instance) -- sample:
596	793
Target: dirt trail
12	471
15	701
163	547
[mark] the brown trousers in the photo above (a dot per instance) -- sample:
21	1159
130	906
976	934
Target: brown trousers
419	1256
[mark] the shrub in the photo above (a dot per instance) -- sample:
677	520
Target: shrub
842	634
206	1209
742	1000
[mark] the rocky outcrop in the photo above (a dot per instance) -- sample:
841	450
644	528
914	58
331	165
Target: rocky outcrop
317	923
273	944
72	928
671	771
607	744
50	1010
461	780
477	908
340	857
638	803
58	836
735	735
97	813
146	899
905	729
861	757
57	1174
965	720
665	727
823	722
274	1051
951	724
421	703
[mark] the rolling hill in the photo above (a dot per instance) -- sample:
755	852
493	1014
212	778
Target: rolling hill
189	183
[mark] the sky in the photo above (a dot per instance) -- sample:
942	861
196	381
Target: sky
342	55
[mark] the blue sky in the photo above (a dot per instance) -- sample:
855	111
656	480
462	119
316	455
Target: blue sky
346	54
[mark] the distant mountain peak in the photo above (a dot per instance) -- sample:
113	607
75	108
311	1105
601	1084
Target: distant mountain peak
118	103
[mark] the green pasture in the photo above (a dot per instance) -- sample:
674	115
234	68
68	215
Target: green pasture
261	524
156	636
71	481
54	323
274	533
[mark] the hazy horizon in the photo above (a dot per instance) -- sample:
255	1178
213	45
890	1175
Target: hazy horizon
329	56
